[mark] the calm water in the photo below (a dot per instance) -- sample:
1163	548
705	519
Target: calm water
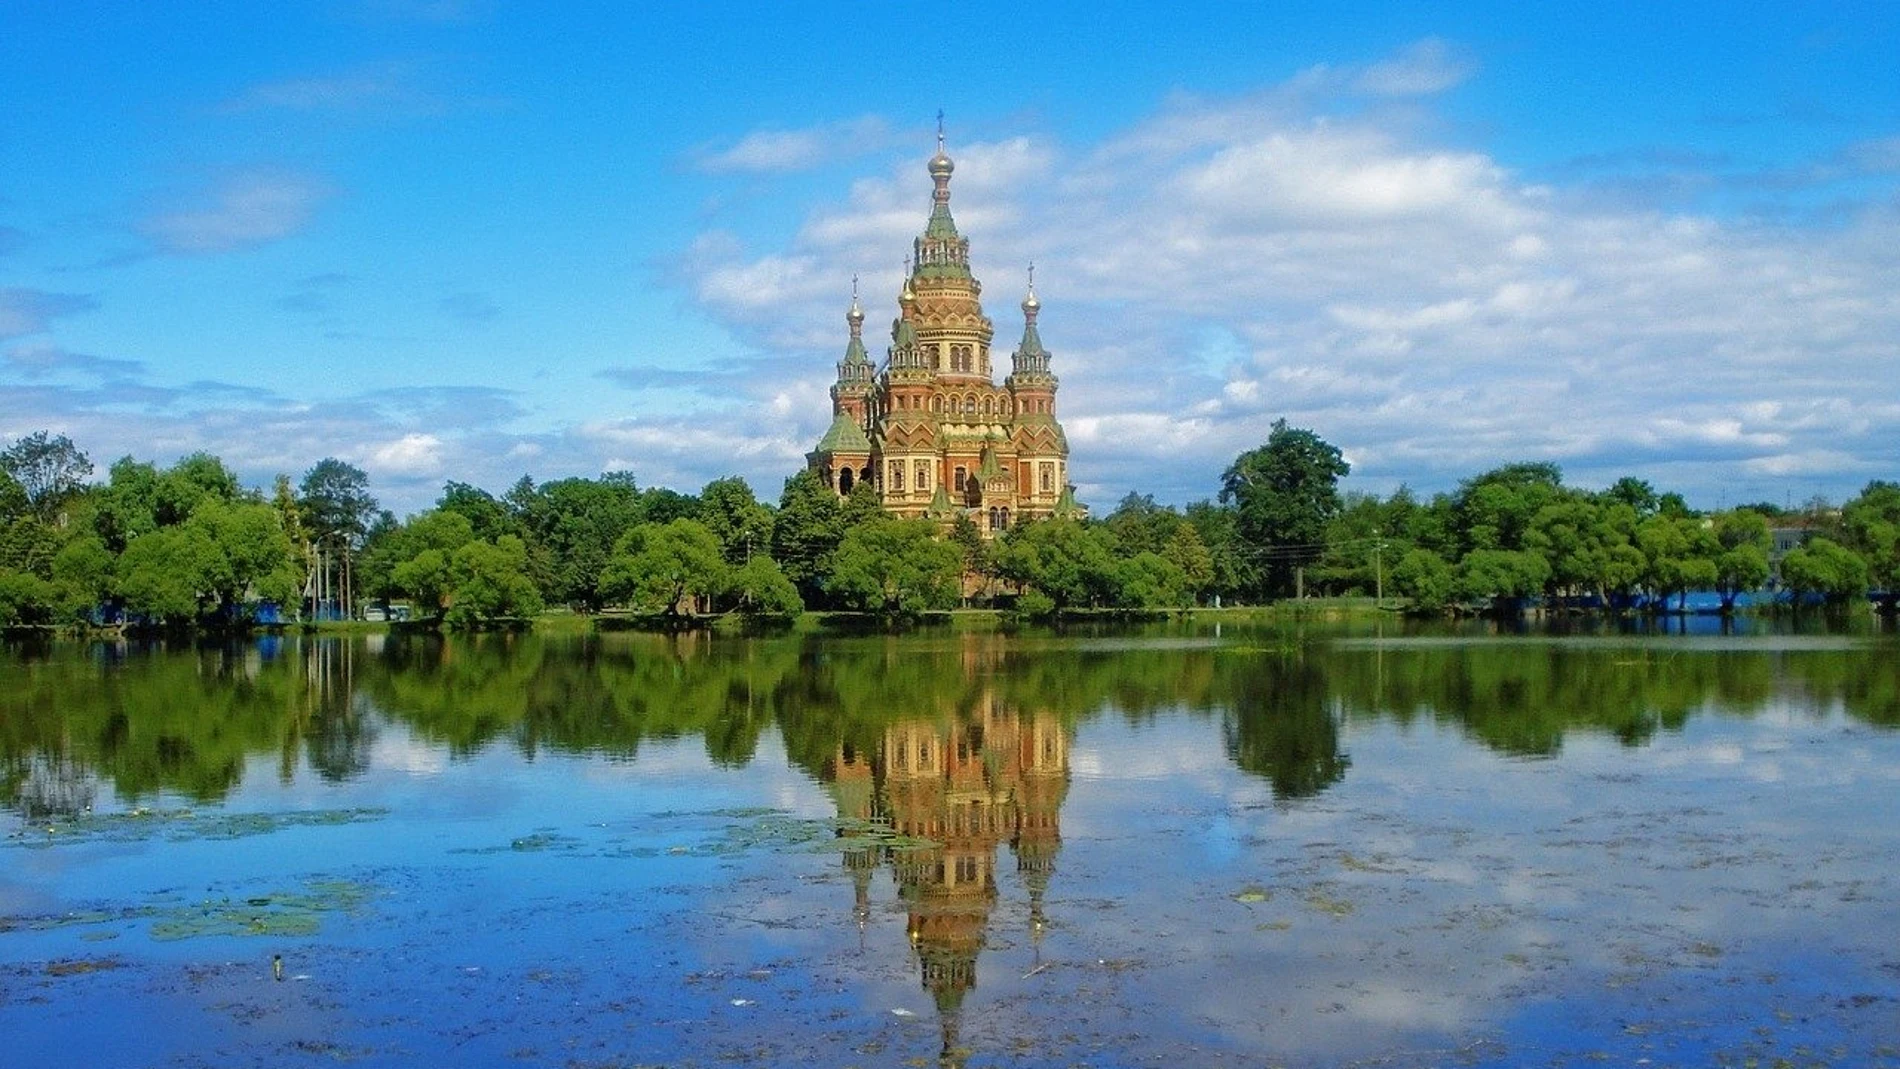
1175	846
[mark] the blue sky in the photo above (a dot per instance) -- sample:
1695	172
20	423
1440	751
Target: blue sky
457	239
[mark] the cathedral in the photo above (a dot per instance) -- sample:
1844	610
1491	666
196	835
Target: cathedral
931	429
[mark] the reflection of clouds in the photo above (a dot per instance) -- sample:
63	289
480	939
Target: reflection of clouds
403	752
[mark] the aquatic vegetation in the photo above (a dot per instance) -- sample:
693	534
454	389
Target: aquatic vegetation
179	825
293	914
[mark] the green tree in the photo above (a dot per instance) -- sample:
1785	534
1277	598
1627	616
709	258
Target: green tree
1501	575
1871	526
578	522
1681	555
161	575
1186	551
246	554
761	589
1139	525
806	532
1638	494
895	565
1495	510
487	516
1066	561
337	508
48	468
659	565
192	481
25	599
491	582
979	553
1284	494
661	505
1219	531
1742	564
1149	581
1426	578
734	515
1827	568
83	574
418	559
13	500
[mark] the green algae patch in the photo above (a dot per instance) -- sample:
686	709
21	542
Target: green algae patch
746	831
781	831
289	914
541	841
179	826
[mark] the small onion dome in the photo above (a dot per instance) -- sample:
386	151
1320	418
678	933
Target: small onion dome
1030	304
940	165
855	316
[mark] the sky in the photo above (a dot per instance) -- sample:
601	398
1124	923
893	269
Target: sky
474	239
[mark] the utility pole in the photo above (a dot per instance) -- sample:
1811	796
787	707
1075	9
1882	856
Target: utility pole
1378	571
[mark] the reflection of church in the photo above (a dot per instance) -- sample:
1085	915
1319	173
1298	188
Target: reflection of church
969	783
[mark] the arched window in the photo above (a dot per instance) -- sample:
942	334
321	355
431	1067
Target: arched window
992	519
897	476
1005	517
844	481
923	475
969	404
986	406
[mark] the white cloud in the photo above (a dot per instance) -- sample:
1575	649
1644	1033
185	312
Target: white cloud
1420	69
412	454
245	210
378	86
795	149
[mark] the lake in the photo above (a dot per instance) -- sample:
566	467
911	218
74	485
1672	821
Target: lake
1179	844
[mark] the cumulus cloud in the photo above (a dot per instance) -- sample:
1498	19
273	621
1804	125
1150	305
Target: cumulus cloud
1420	304
411	454
245	210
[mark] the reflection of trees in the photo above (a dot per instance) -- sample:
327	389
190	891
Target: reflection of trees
185	719
1280	726
1523	698
156	718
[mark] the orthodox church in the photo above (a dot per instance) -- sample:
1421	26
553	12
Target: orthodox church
930	428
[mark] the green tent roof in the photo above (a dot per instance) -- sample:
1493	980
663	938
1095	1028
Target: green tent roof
845	436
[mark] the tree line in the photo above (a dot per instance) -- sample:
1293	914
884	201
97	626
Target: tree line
188	545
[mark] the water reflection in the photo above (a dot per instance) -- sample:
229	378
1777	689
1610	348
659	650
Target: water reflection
149	721
965	784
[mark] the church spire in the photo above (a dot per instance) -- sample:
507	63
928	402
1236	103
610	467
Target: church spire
854	351
1031	360
941	252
